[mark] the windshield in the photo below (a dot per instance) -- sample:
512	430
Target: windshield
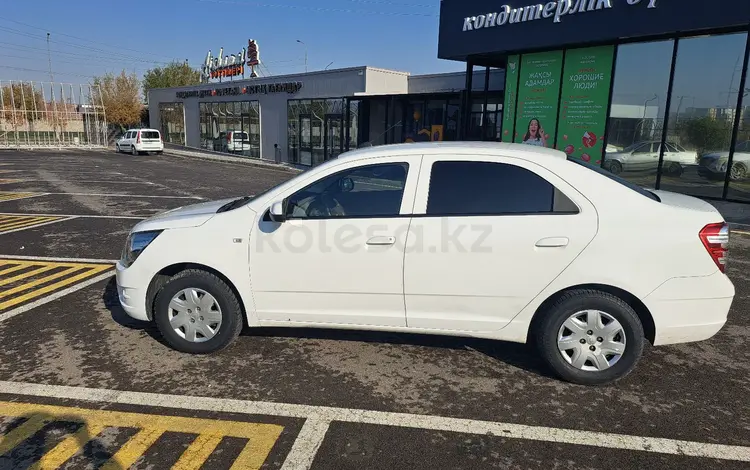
624	182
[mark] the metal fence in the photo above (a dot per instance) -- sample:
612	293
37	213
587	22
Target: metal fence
44	114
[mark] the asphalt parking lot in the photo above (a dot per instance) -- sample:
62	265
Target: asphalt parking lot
84	386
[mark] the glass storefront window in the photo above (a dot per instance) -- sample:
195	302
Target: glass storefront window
739	175
636	118
494	118
172	122
315	130
231	127
701	114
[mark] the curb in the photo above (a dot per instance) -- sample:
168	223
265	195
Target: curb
230	159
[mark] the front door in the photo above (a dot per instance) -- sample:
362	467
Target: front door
338	258
333	143
305	139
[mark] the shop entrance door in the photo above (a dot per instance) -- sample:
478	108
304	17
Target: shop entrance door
333	142
305	139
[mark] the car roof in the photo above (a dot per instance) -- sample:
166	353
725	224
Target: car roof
143	129
442	148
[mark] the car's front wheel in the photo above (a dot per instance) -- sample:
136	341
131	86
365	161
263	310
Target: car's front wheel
590	337
197	312
614	167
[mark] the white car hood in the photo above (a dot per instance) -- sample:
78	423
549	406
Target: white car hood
182	217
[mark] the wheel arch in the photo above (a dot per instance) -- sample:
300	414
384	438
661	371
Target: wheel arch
168	272
644	314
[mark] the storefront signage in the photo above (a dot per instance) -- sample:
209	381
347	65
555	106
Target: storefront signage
556	9
231	65
260	89
587	76
511	94
538	91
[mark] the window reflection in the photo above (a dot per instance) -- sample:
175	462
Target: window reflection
739	176
231	127
172	121
634	128
315	130
702	113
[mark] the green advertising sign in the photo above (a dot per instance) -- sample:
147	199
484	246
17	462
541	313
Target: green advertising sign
511	92
583	108
538	93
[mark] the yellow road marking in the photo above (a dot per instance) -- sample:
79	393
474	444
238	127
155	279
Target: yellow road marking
25	274
261	437
741	232
15	222
198	452
134	448
9	180
21	433
39	273
67	448
9	196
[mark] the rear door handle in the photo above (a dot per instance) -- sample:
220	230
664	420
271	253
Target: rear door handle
552	242
381	241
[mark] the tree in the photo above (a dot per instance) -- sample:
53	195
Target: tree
172	75
706	133
21	103
120	95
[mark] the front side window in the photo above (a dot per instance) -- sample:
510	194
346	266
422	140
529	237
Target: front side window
644	148
366	191
487	188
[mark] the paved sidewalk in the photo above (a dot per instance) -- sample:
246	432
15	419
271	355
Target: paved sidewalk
222	157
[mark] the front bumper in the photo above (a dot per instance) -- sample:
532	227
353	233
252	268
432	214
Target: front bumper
131	293
690	308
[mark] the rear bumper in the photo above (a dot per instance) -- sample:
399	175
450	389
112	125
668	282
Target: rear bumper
149	147
690	308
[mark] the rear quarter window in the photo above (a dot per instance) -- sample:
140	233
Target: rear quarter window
617	179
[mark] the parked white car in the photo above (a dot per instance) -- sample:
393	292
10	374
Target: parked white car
233	142
490	240
138	141
644	156
714	164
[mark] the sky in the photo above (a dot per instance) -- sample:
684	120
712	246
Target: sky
89	38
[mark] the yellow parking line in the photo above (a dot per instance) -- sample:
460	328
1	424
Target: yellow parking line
10	196
13	268
740	232
36	282
261	437
67	448
134	448
9	180
198	452
24	275
6	225
21	433
49	288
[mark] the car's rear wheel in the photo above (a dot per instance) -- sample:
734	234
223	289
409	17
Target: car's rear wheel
133	150
675	169
590	337
197	312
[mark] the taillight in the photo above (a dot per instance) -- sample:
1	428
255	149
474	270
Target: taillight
138	140
715	238
229	137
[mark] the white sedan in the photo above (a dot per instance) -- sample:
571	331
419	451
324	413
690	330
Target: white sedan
490	240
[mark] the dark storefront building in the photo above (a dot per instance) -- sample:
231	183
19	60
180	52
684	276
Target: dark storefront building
654	90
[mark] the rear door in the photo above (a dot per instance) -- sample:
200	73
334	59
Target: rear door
488	235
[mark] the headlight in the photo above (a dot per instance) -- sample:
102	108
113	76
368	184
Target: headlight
135	244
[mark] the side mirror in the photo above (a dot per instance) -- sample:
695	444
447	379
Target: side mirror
277	212
346	185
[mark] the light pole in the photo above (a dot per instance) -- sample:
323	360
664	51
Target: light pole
305	53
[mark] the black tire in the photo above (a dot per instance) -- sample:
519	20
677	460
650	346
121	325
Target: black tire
675	169
231	322
615	167
589	299
117	148
133	151
159	152
738	172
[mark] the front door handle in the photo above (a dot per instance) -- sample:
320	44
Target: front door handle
381	241
552	242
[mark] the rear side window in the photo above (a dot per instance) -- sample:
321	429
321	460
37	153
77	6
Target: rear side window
487	188
624	182
149	135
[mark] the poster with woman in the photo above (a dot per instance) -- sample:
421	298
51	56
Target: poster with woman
538	96
535	134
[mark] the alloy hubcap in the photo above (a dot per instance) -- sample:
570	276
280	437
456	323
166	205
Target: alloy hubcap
591	340
195	315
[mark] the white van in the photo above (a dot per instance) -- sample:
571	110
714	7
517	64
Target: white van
137	141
